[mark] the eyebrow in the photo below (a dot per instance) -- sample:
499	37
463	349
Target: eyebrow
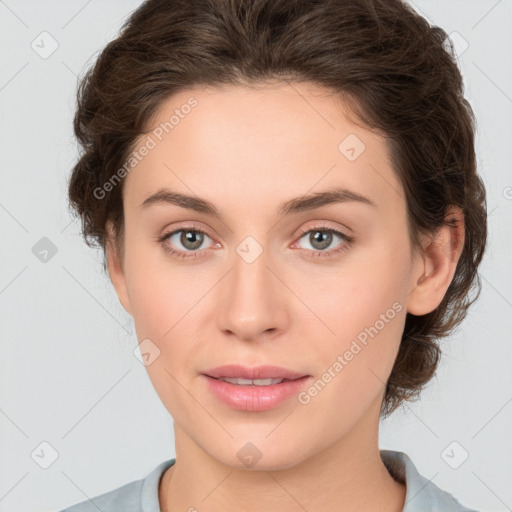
295	205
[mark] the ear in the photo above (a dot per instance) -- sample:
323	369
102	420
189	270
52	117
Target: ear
116	268
437	265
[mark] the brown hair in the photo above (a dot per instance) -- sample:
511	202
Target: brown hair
397	73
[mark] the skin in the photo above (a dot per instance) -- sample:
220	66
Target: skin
247	150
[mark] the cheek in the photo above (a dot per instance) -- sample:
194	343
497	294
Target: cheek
356	294
156	290
363	308
168	306
353	364
163	313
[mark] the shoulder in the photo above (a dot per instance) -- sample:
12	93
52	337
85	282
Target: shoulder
126	498
137	496
422	495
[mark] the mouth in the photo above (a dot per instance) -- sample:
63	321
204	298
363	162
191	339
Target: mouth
254	389
238	381
258	375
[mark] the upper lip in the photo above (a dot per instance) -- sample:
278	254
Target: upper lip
254	372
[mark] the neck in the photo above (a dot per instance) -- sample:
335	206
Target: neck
349	471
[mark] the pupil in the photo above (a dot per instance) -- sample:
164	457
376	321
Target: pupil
323	243
191	237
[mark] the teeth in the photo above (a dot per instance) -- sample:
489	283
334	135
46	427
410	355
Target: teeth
249	382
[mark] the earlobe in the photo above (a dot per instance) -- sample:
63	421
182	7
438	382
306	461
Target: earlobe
115	269
437	265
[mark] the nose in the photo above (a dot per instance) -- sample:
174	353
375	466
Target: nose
253	301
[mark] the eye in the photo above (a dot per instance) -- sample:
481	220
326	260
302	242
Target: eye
321	237
189	238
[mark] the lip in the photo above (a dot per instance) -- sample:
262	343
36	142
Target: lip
254	372
254	398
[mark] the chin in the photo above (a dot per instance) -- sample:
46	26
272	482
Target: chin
256	455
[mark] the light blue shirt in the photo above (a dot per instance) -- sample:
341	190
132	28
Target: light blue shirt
142	495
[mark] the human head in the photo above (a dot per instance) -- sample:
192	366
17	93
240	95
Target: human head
386	64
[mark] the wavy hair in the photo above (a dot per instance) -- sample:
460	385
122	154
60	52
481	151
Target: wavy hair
396	72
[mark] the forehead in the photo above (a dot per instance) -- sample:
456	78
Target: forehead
268	141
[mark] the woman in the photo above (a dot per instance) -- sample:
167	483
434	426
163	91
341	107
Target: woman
287	197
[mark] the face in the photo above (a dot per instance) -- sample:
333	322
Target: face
317	285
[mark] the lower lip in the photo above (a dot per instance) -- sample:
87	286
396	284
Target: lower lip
255	398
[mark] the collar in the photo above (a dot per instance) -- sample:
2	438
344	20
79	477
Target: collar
421	495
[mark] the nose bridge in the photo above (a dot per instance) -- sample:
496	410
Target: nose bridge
250	272
252	302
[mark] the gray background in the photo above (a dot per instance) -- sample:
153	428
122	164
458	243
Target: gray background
68	373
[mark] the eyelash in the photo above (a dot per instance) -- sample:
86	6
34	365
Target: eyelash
347	242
